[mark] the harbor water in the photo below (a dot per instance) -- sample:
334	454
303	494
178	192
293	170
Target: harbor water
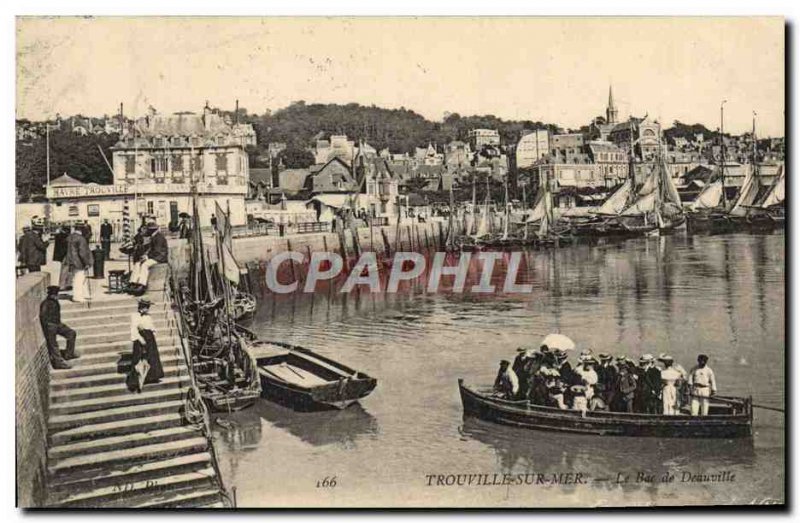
685	295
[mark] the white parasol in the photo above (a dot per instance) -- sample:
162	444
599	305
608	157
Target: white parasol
558	341
142	367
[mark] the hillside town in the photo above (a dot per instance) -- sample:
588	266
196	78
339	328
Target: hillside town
158	159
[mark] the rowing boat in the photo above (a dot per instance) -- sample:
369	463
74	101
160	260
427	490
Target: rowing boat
304	380
731	418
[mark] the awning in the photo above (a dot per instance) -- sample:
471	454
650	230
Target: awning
65	180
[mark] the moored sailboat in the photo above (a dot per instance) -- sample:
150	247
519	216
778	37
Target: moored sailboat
657	208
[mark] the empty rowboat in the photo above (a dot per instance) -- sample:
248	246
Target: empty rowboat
728	418
304	380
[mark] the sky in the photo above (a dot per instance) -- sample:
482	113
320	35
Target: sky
556	70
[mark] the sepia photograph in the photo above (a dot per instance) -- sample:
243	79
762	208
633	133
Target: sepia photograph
387	262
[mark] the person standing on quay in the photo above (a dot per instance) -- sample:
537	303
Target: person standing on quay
106	232
50	320
702	385
32	250
77	262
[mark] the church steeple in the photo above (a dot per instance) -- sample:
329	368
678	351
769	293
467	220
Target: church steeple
611	110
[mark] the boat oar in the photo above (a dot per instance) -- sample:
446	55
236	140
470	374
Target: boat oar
285	365
735	402
776	409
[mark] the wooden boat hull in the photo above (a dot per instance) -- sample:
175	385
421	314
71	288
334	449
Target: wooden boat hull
318	398
521	414
709	223
284	368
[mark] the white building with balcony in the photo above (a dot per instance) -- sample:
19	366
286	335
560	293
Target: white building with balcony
157	167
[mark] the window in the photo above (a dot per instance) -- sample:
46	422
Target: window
177	163
130	164
150	208
221	163
93	209
159	165
73	210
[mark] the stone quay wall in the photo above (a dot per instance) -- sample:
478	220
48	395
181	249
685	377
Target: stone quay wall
386	240
32	391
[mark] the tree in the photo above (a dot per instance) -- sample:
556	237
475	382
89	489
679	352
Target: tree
296	158
75	155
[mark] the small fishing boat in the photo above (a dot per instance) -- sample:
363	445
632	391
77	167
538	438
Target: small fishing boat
729	417
304	380
209	303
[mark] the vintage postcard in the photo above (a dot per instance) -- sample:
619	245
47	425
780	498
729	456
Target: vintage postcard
469	262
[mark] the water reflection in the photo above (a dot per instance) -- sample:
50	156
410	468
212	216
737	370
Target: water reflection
720	295
342	428
601	458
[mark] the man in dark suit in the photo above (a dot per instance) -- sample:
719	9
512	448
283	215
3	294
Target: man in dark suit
50	320
158	252
32	250
105	238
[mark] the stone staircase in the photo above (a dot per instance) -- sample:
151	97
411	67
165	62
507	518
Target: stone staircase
110	448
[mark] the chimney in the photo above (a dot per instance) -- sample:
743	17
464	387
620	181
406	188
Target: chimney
236	120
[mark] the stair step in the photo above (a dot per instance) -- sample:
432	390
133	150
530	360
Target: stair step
121	442
154	489
116	428
123	475
104	391
118	340
111	336
165	347
57	386
126	399
99	327
188	499
100	318
123	366
68	421
104	310
102	460
107	300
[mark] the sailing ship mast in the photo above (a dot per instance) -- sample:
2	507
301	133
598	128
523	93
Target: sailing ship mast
505	212
722	151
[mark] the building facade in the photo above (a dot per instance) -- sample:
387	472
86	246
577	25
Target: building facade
157	167
479	138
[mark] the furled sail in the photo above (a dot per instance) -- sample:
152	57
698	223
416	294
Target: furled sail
775	195
483	226
669	193
643	205
615	203
748	193
538	208
709	198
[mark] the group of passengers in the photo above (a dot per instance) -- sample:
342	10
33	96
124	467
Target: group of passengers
605	383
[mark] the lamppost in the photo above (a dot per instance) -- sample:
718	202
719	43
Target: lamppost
722	149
